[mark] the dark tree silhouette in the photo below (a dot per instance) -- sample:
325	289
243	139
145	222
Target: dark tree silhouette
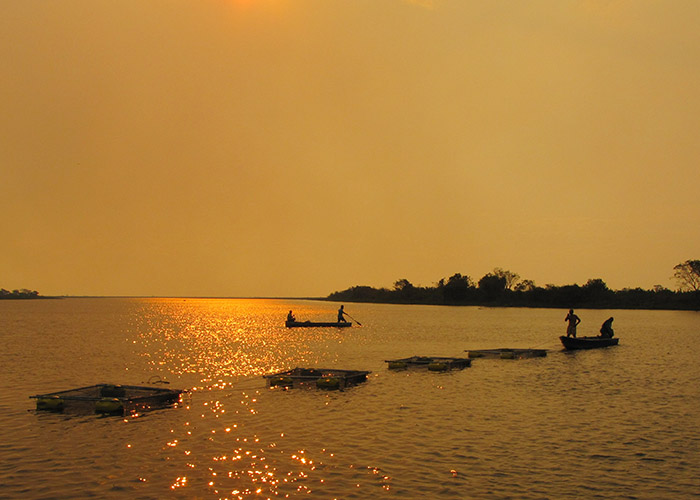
504	288
19	294
492	286
403	284
457	289
510	278
687	275
525	286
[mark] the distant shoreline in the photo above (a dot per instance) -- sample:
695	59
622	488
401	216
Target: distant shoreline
22	294
529	306
572	296
183	297
691	301
41	297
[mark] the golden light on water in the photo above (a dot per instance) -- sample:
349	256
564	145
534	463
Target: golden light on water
218	341
222	348
228	439
255	465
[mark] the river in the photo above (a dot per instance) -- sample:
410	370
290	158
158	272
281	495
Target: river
619	422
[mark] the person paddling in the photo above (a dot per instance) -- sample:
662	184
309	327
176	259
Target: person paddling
341	315
573	322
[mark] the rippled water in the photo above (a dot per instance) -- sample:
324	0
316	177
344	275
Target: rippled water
621	422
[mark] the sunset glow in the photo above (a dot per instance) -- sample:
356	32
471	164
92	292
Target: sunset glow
276	148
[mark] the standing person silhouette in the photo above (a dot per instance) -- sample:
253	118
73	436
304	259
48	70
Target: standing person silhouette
341	315
573	322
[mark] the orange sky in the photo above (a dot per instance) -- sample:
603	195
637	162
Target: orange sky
295	148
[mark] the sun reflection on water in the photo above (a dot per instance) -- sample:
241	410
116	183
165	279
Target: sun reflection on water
219	340
228	441
223	447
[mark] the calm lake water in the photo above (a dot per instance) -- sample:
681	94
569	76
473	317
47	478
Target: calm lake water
621	422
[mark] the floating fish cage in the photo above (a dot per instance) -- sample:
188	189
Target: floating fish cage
108	399
435	364
322	378
506	353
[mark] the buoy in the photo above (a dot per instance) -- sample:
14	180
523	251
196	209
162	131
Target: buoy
397	365
282	381
437	366
109	405
328	383
112	391
507	355
51	403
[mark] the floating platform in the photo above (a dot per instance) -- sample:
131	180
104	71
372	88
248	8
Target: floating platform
507	353
317	324
322	378
433	363
108	399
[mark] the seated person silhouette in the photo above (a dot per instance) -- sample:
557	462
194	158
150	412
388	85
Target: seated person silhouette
606	330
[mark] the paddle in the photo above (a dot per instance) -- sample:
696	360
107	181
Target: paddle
346	314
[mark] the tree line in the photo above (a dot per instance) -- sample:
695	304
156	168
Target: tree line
19	294
503	288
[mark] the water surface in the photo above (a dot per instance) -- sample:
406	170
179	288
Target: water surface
620	422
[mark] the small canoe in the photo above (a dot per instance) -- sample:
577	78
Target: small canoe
572	343
312	324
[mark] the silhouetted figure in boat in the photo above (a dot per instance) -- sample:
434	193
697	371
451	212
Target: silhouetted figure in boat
573	323
606	330
290	317
341	315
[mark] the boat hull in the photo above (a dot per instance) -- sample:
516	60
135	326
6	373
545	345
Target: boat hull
315	324
572	343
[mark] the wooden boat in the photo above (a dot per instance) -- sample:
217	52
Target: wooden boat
312	324
322	378
108	398
572	343
433	363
